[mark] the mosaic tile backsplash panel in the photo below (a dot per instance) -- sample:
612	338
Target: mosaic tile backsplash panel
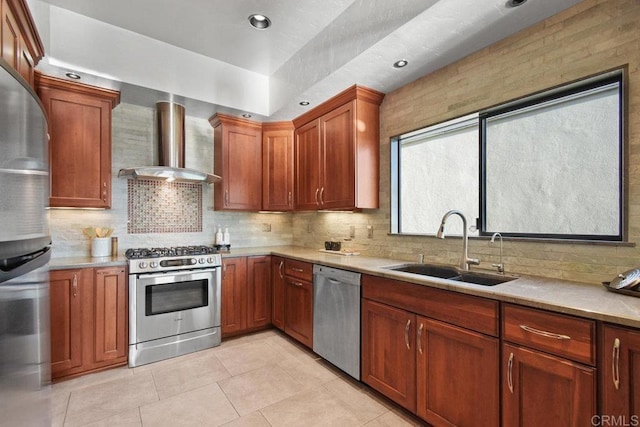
164	207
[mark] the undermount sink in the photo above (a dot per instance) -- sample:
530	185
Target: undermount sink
453	273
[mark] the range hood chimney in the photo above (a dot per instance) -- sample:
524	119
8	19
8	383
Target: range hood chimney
170	119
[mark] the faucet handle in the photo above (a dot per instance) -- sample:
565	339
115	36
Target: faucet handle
473	261
500	267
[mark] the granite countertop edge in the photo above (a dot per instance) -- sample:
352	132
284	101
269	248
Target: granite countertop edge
561	296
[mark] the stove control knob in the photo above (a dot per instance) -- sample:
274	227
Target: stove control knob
142	264
201	260
153	264
209	260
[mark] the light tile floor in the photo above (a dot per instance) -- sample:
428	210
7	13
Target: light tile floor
264	379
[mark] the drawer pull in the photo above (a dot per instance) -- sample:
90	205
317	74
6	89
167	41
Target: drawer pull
420	337
510	373
406	334
297	284
544	333
297	270
615	364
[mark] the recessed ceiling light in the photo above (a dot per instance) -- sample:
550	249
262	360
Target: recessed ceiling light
259	22
73	76
304	103
515	3
401	63
246	115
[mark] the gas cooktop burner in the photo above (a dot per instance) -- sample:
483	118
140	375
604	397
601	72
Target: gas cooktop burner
141	253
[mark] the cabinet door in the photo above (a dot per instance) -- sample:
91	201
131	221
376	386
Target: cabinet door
621	374
110	314
298	310
388	352
66	310
307	167
543	390
338	163
277	168
258	291
234	285
278	286
238	160
10	36
457	375
80	146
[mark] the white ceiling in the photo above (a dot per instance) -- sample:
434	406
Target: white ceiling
204	53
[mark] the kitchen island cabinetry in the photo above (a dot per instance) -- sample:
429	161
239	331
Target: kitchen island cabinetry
336	149
434	352
246	294
20	43
80	146
237	158
546	379
277	166
88	320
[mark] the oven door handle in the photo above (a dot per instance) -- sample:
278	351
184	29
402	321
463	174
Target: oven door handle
176	273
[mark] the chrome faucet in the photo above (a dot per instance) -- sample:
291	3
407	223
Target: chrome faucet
500	266
465	261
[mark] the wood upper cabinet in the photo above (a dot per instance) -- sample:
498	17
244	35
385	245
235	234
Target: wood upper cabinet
80	146
258	291
237	151
234	289
278	286
277	166
20	45
620	374
89	327
337	152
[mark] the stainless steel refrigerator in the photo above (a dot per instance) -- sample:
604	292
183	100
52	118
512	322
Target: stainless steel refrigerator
24	255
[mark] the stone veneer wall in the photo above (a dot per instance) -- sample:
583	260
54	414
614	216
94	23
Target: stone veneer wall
591	37
133	144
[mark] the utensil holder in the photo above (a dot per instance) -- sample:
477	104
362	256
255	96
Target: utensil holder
100	246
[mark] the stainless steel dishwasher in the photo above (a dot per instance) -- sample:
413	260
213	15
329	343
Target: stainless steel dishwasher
336	317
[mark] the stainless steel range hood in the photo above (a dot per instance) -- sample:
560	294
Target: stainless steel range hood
170	118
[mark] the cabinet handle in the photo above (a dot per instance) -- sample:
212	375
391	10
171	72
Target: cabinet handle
510	373
298	270
406	334
420	337
317	192
615	363
322	196
544	333
75	285
226	197
289	199
224	271
280	269
296	284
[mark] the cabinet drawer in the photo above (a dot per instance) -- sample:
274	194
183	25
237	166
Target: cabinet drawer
299	269
566	336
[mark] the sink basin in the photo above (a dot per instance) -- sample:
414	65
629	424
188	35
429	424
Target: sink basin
433	270
453	273
482	278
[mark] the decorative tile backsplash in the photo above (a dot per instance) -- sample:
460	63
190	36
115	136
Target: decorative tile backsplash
164	207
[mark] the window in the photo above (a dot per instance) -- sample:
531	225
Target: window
547	166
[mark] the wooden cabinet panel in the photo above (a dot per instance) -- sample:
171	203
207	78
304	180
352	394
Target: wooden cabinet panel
234	285
278	286
20	44
299	269
258	291
299	310
307	167
277	166
237	151
388	352
67	289
558	334
621	374
80	147
457	375
110	316
10	36
540	389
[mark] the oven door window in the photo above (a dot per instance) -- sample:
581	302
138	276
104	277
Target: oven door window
170	297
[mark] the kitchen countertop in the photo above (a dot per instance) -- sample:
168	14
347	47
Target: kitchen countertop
561	296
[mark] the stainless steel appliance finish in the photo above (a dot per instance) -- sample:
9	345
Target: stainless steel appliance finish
336	317
174	302
25	368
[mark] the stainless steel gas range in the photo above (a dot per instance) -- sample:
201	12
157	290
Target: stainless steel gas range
174	302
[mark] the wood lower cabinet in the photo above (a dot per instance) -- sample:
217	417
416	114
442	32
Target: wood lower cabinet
20	43
88	320
278	286
80	147
298	307
620	386
277	166
246	294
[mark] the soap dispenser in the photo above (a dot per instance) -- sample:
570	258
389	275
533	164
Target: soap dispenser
226	238
219	236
